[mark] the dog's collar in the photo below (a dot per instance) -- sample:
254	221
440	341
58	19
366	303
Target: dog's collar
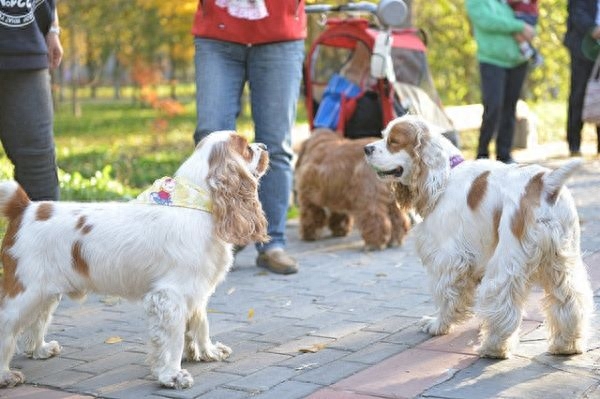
455	160
178	191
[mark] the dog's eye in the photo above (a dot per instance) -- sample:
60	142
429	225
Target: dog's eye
248	153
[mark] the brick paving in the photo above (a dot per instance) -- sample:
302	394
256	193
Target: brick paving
344	327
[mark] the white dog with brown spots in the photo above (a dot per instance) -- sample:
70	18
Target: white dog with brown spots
490	232
171	257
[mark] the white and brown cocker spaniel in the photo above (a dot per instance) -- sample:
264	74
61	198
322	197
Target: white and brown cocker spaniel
335	187
490	231
172	257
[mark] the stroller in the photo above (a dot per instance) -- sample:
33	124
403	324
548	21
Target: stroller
360	75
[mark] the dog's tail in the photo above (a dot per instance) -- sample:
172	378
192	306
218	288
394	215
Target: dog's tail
13	199
554	180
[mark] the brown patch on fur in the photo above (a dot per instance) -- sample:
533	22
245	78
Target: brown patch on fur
79	264
478	190
239	144
529	200
496	220
237	212
44	211
11	285
83	226
80	222
17	204
401	137
411	136
14	209
263	163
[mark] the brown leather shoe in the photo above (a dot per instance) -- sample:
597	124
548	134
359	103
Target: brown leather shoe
277	261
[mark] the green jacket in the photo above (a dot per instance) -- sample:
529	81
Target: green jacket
494	24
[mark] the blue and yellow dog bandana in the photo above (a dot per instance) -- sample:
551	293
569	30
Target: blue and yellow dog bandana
172	191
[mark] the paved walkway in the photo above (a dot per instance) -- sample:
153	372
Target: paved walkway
344	327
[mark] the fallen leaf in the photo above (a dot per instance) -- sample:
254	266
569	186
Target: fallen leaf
250	313
113	340
313	349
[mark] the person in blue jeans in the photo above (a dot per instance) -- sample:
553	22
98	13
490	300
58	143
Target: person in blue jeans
259	42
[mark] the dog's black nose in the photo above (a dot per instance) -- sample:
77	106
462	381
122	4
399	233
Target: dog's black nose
369	149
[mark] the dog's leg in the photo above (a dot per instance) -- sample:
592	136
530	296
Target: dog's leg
453	288
8	342
15	313
198	344
312	220
568	305
166	311
501	301
340	224
375	228
33	337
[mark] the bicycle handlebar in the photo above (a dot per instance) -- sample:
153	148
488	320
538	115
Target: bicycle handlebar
324	8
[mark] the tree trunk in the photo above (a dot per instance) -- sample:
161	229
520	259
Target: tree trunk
75	105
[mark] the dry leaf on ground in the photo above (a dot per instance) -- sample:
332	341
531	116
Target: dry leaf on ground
113	340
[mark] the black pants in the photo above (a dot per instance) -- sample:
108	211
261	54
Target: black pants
581	69
26	131
500	91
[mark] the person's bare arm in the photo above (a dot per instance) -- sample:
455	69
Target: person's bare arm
55	50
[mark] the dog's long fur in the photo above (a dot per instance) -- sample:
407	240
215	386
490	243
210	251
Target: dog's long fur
490	231
170	257
335	187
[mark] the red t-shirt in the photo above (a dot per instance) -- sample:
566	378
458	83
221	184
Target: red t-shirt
286	21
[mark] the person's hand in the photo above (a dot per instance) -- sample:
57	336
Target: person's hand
55	50
596	33
528	32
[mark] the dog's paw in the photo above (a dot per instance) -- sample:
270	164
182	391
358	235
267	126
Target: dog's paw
565	348
215	352
181	379
11	378
176	379
493	353
394	243
47	350
310	234
433	326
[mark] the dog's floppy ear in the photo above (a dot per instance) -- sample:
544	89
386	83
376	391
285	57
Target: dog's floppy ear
403	195
238	215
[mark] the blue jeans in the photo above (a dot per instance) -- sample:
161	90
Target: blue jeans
273	72
500	91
